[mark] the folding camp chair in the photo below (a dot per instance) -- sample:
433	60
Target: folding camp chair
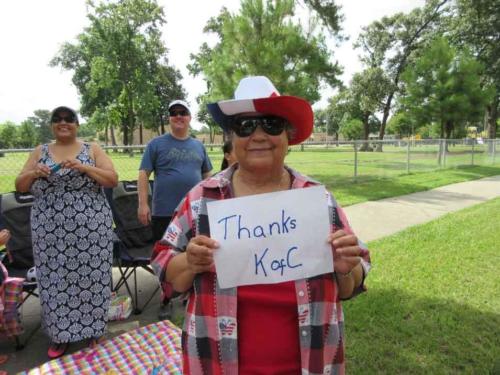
15	212
135	241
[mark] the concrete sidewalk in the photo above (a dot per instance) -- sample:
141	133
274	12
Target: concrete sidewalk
370	221
377	219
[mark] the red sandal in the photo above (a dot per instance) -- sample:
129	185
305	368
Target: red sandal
56	350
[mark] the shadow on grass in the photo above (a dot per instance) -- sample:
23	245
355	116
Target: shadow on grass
388	331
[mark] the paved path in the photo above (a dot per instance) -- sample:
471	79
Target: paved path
377	219
370	220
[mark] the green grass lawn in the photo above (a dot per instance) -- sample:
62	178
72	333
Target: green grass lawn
380	175
433	304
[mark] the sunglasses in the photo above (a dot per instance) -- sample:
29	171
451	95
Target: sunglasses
178	113
245	126
69	119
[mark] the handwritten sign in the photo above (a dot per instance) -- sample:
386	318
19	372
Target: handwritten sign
271	238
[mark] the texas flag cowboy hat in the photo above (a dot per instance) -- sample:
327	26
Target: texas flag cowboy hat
258	94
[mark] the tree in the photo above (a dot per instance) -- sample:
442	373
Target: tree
41	120
263	39
336	113
476	27
443	86
329	14
391	43
27	135
352	129
8	136
365	98
120	65
401	124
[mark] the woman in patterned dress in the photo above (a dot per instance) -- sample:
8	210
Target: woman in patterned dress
72	235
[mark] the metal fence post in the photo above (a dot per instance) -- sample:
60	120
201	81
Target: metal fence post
494	149
408	157
472	157
355	160
444	153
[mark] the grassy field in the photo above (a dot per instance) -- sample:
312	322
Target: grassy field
433	304
379	175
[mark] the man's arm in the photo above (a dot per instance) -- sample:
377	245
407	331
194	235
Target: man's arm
143	211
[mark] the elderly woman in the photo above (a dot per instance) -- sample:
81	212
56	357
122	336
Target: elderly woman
71	228
289	327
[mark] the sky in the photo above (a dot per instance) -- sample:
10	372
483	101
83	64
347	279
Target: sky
33	31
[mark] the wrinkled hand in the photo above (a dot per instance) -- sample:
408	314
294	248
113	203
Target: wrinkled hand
346	252
4	236
200	254
144	214
74	164
41	170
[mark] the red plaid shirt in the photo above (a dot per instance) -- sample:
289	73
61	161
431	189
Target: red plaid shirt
209	337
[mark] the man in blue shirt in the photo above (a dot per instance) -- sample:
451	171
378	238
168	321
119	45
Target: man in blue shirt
179	162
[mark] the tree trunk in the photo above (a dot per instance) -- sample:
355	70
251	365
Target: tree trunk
387	110
492	118
492	121
441	137
125	134
140	134
106	140
448	130
366	134
113	137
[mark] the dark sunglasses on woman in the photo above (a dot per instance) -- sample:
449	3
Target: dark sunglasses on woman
245	126
69	119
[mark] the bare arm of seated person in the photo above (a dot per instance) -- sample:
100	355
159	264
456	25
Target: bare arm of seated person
197	258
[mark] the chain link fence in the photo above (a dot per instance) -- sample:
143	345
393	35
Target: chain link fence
346	159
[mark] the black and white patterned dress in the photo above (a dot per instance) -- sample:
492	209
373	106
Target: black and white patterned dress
71	226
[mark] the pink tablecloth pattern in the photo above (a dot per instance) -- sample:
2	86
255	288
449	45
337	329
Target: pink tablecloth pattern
153	349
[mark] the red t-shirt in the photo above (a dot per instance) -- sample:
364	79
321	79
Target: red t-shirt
268	332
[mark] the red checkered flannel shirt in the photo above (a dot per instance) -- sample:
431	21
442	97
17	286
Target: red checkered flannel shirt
208	347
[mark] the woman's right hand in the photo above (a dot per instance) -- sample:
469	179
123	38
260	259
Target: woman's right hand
41	170
200	254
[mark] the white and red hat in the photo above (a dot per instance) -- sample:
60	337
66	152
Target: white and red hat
258	94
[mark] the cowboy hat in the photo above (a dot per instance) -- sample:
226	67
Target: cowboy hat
258	94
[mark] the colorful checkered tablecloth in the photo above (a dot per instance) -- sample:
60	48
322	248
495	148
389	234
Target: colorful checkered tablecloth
153	349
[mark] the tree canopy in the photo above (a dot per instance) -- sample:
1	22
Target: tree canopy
120	66
263	39
443	86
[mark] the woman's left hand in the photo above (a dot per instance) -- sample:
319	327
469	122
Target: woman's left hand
74	164
346	251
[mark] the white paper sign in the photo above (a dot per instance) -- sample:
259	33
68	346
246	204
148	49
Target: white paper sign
271	238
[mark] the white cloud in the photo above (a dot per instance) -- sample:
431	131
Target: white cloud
32	31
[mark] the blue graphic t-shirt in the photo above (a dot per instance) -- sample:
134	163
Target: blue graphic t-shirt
178	166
